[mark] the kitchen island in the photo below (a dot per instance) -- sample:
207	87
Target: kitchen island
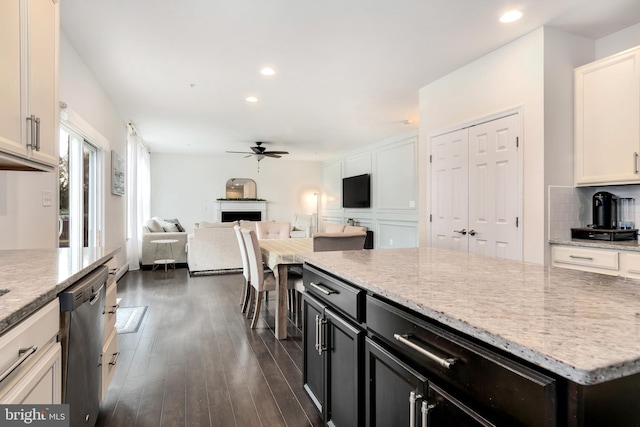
34	277
580	330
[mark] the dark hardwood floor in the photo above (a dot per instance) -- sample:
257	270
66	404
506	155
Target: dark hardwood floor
195	362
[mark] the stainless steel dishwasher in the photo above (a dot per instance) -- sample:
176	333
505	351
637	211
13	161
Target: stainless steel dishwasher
81	321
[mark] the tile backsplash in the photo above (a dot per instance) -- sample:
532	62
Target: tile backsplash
571	207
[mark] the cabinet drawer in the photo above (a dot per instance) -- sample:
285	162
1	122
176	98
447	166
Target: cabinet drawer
110	308
35	331
630	265
109	361
336	293
585	259
501	388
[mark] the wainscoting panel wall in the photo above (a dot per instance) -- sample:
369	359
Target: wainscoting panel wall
396	234
331	197
393	216
396	175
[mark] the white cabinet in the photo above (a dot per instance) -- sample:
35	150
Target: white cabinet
31	359
607	120
110	340
29	40
586	259
614	262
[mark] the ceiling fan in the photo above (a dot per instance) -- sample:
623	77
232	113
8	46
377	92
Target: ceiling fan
260	152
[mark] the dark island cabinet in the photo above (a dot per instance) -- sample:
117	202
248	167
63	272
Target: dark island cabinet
333	345
372	362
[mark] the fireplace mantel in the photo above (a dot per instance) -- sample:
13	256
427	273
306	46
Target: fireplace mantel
221	206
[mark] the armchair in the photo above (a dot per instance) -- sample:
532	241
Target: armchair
302	225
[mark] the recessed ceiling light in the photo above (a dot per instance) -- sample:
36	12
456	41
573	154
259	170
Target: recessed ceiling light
251	99
267	71
511	16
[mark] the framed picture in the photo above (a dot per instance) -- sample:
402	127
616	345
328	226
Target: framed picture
117	174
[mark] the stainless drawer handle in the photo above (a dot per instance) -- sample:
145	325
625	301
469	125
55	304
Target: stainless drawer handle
588	258
635	163
24	354
115	358
323	289
444	362
318	327
114	308
37	133
426	407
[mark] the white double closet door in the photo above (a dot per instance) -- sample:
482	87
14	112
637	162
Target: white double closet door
476	190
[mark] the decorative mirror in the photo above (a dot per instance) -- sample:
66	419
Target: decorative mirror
241	188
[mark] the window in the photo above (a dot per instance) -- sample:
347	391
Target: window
80	191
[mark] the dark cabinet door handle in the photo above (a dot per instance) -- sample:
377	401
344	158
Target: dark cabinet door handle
322	289
442	361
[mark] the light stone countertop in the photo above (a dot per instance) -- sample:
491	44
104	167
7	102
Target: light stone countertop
625	245
35	277
582	326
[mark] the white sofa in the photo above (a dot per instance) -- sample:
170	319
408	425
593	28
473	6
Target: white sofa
156	229
212	248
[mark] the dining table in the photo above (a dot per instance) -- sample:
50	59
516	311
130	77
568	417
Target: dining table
279	255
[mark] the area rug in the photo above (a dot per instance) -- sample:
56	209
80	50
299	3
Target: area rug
215	272
129	319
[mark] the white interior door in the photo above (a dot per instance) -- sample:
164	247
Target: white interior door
494	197
449	190
475	189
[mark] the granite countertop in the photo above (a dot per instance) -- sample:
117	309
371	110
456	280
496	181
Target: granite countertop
35	277
582	326
626	245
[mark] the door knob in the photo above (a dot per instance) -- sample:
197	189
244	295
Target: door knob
463	231
472	232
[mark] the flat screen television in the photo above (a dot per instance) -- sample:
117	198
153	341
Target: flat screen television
356	191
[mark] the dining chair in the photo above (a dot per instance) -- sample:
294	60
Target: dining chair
261	280
323	242
245	269
273	230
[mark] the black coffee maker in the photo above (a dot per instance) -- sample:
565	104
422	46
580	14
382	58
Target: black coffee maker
605	210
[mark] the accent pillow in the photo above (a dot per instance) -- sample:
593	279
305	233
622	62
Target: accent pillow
154	226
175	221
170	227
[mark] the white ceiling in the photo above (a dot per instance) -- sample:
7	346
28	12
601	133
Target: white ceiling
348	71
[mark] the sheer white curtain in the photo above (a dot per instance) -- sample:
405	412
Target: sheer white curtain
139	190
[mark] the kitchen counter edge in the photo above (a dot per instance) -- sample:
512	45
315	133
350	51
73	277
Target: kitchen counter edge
47	290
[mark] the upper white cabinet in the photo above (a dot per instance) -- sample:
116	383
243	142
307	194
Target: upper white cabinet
607	120
29	40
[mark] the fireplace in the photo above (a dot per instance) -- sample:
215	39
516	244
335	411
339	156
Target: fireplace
235	210
230	216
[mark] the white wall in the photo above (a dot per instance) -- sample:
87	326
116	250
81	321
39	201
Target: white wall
393	216
535	72
617	42
509	77
86	97
186	186
24	222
